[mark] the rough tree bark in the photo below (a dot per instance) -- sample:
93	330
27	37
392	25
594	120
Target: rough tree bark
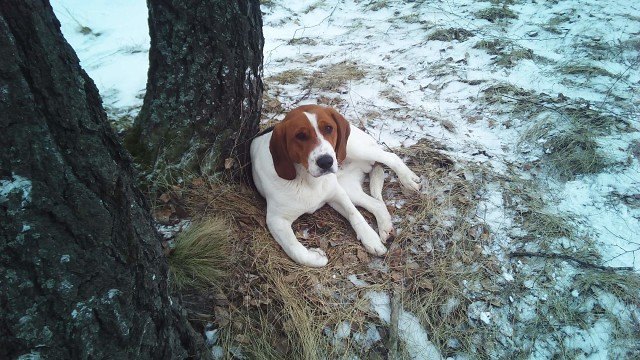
204	87
82	275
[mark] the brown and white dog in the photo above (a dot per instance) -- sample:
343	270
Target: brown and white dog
315	157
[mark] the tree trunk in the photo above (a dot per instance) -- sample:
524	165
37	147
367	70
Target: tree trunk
204	88
82	274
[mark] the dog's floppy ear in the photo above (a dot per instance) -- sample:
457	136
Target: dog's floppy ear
343	131
278	148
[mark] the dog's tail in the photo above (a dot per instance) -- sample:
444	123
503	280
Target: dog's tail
376	180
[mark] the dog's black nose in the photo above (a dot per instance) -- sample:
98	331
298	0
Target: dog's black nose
325	162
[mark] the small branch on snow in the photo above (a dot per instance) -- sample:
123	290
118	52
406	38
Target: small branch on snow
393	325
582	263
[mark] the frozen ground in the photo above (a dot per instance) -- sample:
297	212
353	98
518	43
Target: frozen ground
499	83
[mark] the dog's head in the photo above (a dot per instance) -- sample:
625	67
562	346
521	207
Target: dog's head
313	136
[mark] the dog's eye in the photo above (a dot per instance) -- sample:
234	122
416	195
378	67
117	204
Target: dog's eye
301	136
328	129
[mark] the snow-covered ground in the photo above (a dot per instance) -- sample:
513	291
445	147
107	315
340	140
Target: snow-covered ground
111	39
496	84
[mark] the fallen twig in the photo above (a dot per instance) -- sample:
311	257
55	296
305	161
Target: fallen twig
582	263
393	325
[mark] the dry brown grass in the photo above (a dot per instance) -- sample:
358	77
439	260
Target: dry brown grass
329	78
568	128
315	5
507	53
625	286
201	255
450	34
574	152
376	5
542	225
292	76
334	77
495	14
584	69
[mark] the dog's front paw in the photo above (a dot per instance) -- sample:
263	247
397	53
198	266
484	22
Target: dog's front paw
410	180
372	243
386	231
316	258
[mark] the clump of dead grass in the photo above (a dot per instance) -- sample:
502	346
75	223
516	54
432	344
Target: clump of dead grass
493	47
315	5
267	3
543	225
553	113
271	104
334	77
494	14
526	199
201	255
567	129
449	34
303	41
625	286
573	153
508	54
376	5
394	96
585	70
413	18
553	23
292	76
511	58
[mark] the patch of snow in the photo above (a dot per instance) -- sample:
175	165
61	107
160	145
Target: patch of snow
170	231
211	336
616	225
370	337
237	353
410	331
492	211
112	41
65	286
529	283
594	341
33	355
113	293
217	352
479	310
357	282
485	317
449	306
19	184
343	330
507	276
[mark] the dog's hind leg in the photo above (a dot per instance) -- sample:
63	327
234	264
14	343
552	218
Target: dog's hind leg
362	147
376	180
